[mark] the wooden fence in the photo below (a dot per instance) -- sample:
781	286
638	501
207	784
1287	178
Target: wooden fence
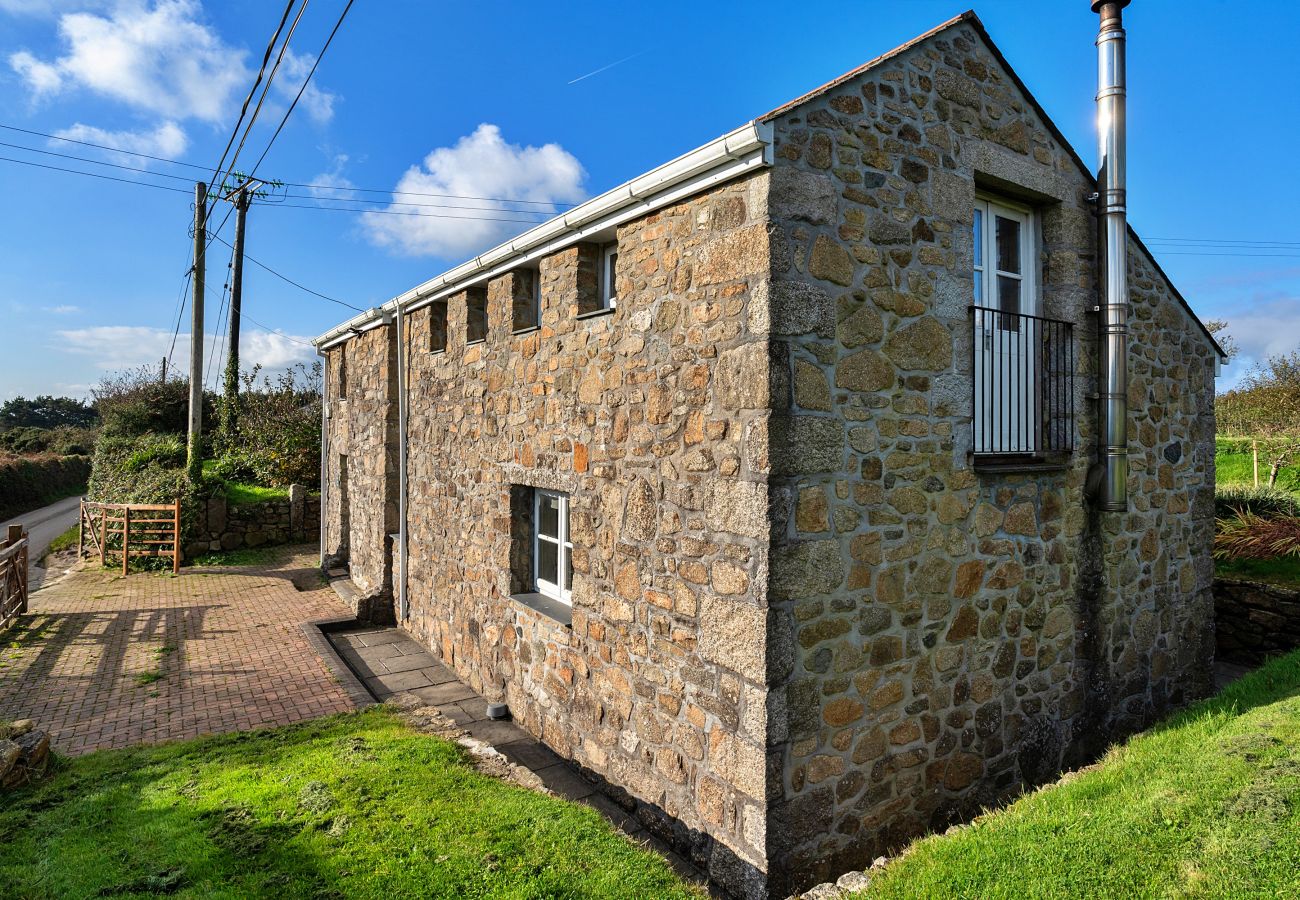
13	576
130	529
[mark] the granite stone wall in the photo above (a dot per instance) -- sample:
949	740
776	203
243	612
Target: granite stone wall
1254	622
653	418
945	634
361	466
226	527
806	625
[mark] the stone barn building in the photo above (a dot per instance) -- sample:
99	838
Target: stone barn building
759	486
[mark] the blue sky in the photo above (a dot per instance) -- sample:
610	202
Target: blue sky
490	99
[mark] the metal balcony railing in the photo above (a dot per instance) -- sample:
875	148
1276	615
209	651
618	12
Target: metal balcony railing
1023	384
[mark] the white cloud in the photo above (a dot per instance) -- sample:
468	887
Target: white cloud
63	309
116	347
334	185
1265	328
168	139
481	164
160	59
318	103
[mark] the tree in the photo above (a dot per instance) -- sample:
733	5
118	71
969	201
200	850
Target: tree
47	412
1219	329
1267	406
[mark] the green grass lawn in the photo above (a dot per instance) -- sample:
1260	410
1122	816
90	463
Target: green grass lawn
1207	805
357	805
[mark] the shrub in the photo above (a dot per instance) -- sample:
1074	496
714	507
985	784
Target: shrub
236	465
1232	499
162	450
29	483
1248	536
278	438
138	401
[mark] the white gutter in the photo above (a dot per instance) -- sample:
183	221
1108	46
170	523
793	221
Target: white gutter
723	159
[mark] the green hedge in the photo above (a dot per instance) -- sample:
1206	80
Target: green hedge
30	482
148	468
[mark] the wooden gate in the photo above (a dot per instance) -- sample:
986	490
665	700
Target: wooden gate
13	576
131	529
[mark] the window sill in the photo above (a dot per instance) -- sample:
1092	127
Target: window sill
479	341
561	613
438	352
1013	463
597	313
527	329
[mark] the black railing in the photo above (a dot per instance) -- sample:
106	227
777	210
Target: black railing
1023	384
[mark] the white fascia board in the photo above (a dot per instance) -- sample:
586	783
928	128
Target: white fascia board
722	159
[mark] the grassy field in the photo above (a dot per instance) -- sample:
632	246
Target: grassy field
1238	468
1207	805
357	805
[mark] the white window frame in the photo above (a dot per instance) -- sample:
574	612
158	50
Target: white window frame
608	285
989	207
561	591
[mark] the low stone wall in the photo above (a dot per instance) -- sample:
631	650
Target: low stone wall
1254	621
24	753
225	527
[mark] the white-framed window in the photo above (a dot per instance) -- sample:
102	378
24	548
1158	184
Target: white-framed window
1004	259
552	548
608	271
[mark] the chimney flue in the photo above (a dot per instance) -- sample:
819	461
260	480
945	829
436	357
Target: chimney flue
1112	206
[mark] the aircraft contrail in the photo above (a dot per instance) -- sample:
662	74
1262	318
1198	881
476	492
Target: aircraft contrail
604	68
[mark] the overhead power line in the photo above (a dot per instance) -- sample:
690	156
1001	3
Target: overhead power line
270	46
286	278
28	162
301	184
306	81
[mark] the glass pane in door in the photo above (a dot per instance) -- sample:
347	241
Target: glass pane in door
1008	241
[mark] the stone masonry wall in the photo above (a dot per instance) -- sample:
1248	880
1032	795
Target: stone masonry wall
653	419
941	636
1254	622
361	502
226	527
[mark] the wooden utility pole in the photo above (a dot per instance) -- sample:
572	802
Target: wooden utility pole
163	369
194	460
230	408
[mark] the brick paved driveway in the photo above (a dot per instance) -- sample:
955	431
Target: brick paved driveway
104	660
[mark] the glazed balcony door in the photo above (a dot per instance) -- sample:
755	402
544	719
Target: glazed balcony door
1007	332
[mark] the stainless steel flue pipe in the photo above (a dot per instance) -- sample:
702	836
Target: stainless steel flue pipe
1112	207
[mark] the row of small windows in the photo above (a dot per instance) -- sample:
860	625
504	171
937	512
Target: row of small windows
525	302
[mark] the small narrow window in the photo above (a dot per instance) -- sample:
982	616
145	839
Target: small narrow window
526	299
343	371
552	548
608	274
438	326
476	319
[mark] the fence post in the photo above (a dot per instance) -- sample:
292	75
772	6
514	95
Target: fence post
1254	453
81	529
20	564
126	538
176	538
103	533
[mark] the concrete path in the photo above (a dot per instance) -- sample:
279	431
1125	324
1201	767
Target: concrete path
389	661
104	660
44	525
